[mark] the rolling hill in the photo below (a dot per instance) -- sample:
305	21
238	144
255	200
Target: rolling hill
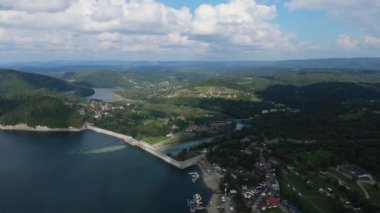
15	82
44	111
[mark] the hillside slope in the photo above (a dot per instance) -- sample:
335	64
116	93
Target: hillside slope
44	111
15	82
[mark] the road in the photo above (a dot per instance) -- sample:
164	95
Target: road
364	190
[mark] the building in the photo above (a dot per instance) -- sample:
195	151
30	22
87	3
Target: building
268	202
192	128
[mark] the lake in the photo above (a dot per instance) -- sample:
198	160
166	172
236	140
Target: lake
105	94
83	172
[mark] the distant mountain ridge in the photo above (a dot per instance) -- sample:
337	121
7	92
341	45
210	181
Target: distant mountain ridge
15	82
120	65
339	63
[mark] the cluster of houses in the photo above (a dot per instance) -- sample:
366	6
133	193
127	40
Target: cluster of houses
103	109
273	110
279	107
212	127
356	172
165	88
269	190
211	93
218	170
266	193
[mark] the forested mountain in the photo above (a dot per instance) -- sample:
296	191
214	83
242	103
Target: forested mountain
39	111
15	82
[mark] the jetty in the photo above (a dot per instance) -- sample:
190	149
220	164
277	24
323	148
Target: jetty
148	148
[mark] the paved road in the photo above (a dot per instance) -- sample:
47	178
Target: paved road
364	190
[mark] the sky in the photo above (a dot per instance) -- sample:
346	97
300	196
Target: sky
177	30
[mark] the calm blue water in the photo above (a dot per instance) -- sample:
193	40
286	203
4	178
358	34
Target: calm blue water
105	94
87	172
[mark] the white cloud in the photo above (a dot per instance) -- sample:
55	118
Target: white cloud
107	11
139	25
240	22
35	5
346	42
371	41
363	13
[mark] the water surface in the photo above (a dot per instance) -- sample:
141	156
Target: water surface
87	172
105	94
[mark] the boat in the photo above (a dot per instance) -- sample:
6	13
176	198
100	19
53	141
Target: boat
194	176
195	203
191	205
198	199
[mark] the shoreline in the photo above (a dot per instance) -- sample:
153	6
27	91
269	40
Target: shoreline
127	139
24	127
211	180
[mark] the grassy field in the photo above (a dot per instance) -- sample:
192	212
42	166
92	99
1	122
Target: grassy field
182	137
154	140
348	182
276	210
308	196
215	92
373	193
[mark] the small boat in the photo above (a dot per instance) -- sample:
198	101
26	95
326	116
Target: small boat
191	205
198	199
194	176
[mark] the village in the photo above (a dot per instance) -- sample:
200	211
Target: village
278	186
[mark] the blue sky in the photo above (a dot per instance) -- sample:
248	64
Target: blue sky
188	29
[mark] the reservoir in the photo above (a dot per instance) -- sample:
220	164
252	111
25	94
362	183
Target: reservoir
105	94
83	172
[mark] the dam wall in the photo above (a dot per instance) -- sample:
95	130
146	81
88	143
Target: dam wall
148	148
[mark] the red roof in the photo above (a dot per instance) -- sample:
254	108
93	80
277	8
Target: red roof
269	201
272	200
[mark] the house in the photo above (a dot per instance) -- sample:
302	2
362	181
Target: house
181	117
268	202
192	128
274	161
233	191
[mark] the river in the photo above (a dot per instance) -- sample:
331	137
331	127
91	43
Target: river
87	172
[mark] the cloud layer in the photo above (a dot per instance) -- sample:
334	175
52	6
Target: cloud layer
350	43
363	13
138	26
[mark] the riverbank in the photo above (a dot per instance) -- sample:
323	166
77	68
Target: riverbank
25	127
211	180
